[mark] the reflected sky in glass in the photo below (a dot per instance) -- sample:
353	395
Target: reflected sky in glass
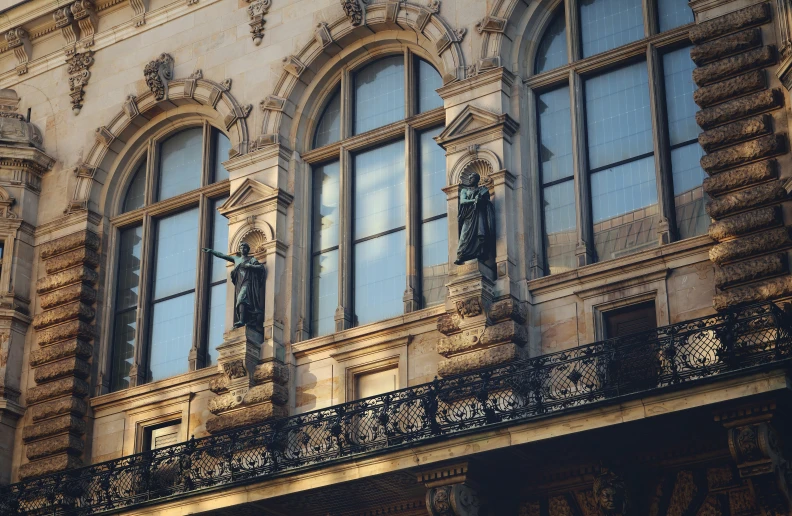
552	51
379	94
380	277
324	292
136	193
433	175
328	130
621	189
221	147
176	252
180	163
326	189
171	336
673	14
429	81
380	199
608	24
434	261
555	135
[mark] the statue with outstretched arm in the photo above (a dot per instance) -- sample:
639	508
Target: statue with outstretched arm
248	279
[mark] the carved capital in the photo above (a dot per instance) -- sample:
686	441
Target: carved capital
453	500
158	73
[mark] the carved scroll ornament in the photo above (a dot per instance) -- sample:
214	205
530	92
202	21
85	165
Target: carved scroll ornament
158	73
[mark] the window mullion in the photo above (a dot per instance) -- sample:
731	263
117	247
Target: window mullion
151	173
344	313
206	157
412	294
410	85
650	17
138	373
584	251
572	13
665	191
200	313
346	104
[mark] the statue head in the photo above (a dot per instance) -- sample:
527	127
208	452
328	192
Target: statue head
610	492
244	249
471	180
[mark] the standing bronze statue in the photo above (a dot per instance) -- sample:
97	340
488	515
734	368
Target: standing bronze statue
476	221
248	279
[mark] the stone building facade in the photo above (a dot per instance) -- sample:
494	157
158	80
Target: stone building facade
638	160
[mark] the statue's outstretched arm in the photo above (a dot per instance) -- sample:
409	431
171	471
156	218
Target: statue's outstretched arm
218	254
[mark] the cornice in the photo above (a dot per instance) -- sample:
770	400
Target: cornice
502	75
35	159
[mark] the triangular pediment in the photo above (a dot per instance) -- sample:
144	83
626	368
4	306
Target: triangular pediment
472	120
252	193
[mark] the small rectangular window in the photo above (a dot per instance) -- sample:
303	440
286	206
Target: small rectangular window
162	435
630	319
376	382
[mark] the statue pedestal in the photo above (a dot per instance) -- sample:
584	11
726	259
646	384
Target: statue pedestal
479	330
250	389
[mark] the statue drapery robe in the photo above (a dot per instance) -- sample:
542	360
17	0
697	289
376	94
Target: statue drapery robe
248	290
476	224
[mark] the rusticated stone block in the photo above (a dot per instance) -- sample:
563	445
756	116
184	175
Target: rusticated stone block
741	177
745	222
477	359
765	290
751	245
753	197
723	47
732	22
51	464
245	416
66	386
67	277
62	368
66	331
60	443
268	392
739	108
57	425
86	238
750	270
68	348
58	407
447	324
736	132
272	371
743	153
731	89
78	292
508	309
77	257
64	313
507	331
219	384
734	65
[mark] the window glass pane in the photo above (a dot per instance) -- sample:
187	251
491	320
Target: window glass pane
555	130
433	175
689	198
380	277
618	116
127	289
221	147
379	94
552	51
679	87
380	203
624	208
171	336
434	261
325	209
674	13
219	242
324	293
328	130
607	24
429	81
560	236
125	326
180	163
136	194
176	251
217	312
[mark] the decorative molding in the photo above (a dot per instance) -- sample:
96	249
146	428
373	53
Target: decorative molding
84	12
491	24
158	73
18	40
79	65
272	103
104	136
293	65
130	107
257	10
140	7
322	34
355	10
64	20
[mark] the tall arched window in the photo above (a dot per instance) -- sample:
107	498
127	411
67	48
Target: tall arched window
379	242
162	294
618	154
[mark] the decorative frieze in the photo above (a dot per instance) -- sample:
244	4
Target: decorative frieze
78	68
158	73
257	10
19	41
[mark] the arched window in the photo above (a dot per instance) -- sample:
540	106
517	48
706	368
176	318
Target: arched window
617	136
391	220
170	213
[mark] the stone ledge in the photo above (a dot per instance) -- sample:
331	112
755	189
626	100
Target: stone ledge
67	386
68	443
478	359
739	108
726	46
743	153
745	222
752	245
734	65
741	177
69	348
755	15
740	200
51	464
49	409
730	89
63	313
63	368
753	293
736	132
86	238
244	417
83	256
57	425
78	292
67	277
750	270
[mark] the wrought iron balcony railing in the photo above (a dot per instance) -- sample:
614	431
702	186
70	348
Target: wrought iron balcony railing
734	342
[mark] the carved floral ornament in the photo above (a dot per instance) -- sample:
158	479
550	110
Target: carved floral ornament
158	73
256	11
355	10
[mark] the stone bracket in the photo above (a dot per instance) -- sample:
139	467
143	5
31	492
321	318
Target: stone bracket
451	491
18	40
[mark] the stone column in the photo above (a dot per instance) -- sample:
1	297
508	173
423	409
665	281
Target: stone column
451	491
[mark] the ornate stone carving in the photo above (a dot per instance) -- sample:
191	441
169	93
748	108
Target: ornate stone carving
491	24
19	41
610	493
257	10
322	34
453	500
64	20
355	10
78	68
158	73
130	106
139	7
84	13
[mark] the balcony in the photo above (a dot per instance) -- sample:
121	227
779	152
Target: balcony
735	343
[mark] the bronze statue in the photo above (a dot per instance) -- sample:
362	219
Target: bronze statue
248	280
476	221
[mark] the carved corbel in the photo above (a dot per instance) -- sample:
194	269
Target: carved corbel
78	68
355	10
257	10
491	24
322	34
84	12
293	65
6	202
19	41
449	38
104	136
236	114
130	107
191	82
139	8
64	20
82	192
158	73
